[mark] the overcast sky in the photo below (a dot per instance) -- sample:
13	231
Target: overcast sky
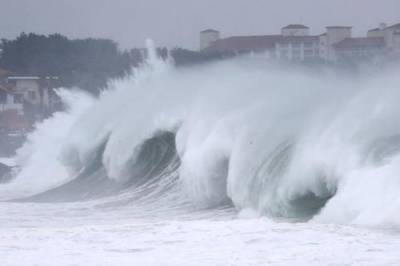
177	22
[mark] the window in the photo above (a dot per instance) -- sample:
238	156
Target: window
308	53
308	44
296	45
31	95
3	97
296	53
283	45
18	98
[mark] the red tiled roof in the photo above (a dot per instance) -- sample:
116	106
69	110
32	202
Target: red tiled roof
245	43
365	42
295	26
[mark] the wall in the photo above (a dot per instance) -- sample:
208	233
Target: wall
10	103
376	33
323	47
30	89
206	38
333	36
396	43
390	35
299	50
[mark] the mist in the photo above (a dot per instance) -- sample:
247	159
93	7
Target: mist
177	22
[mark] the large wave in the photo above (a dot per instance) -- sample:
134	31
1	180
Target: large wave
277	141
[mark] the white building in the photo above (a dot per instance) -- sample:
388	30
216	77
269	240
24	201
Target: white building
207	37
296	43
295	30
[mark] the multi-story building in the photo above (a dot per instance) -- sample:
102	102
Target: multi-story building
296	44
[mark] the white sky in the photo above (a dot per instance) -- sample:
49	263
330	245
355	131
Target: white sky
177	22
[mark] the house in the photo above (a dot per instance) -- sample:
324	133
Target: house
35	91
25	100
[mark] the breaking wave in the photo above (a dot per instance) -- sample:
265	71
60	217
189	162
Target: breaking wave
271	140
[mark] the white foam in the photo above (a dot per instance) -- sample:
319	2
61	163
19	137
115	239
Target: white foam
264	137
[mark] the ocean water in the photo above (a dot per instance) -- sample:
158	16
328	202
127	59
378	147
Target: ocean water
240	162
81	234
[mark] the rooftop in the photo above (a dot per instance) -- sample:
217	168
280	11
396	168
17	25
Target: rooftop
298	38
256	43
364	42
339	27
295	26
245	43
209	30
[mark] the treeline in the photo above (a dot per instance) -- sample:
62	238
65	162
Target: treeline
85	63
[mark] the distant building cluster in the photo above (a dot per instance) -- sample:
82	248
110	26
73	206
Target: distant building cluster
295	43
24	100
